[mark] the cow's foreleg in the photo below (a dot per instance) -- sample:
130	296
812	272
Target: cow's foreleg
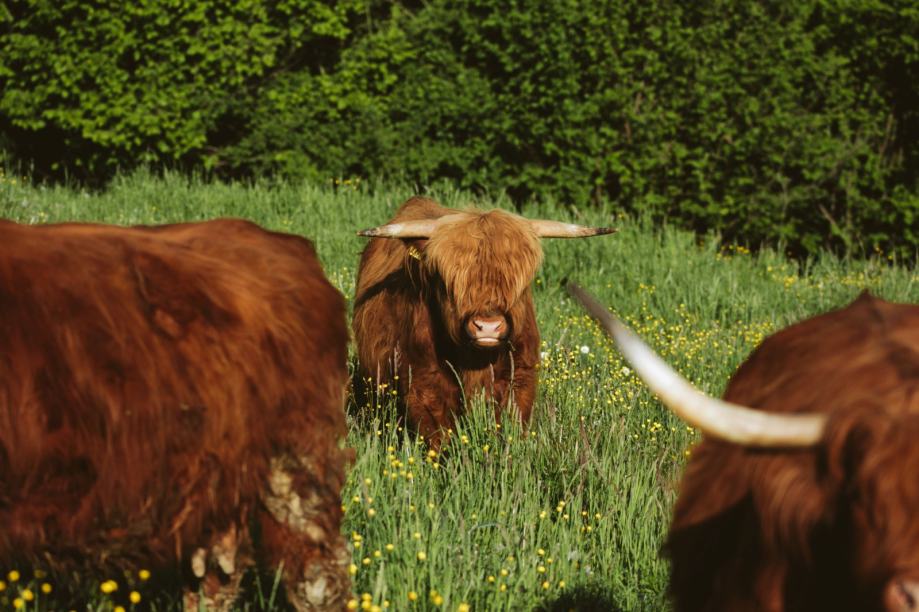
432	400
524	361
524	392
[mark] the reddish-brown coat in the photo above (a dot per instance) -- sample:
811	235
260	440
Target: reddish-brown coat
409	314
815	529
150	379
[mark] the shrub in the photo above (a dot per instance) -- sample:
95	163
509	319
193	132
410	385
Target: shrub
755	120
95	86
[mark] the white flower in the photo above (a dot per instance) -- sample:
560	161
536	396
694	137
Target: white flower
585	349
626	371
543	354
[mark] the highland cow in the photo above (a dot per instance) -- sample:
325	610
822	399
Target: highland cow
163	390
444	310
808	499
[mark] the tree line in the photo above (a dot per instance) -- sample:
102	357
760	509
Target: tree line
770	122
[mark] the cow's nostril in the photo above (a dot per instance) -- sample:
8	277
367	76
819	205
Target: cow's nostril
486	330
901	596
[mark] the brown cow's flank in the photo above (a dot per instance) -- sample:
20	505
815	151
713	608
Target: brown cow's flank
150	377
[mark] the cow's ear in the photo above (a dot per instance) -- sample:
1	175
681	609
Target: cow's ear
850	435
715	480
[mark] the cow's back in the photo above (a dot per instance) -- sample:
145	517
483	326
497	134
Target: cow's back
824	363
148	375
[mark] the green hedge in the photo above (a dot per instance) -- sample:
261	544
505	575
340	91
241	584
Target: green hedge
789	123
92	87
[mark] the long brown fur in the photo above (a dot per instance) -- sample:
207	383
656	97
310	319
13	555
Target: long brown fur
409	312
157	383
816	529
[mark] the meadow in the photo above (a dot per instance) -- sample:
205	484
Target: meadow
570	514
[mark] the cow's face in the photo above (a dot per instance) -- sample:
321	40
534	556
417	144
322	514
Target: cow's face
476	266
480	267
879	505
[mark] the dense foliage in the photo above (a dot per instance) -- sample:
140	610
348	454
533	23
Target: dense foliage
789	123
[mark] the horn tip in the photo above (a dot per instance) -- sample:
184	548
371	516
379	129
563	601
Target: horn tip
606	230
369	233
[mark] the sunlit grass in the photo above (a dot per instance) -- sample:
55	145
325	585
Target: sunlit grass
571	512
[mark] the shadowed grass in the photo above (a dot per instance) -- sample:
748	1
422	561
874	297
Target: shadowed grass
571	514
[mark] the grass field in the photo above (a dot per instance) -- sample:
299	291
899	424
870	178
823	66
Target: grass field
571	514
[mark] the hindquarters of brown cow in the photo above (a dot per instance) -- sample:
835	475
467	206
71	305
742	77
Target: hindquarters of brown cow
825	528
403	343
164	390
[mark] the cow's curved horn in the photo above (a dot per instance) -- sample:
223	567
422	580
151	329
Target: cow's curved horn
419	228
414	228
557	229
714	417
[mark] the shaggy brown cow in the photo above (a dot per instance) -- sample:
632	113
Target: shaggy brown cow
816	510
450	303
164	389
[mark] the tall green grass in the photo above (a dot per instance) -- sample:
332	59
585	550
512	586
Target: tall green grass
570	514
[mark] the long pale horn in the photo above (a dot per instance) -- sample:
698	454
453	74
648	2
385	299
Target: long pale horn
557	229
421	228
415	228
717	418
